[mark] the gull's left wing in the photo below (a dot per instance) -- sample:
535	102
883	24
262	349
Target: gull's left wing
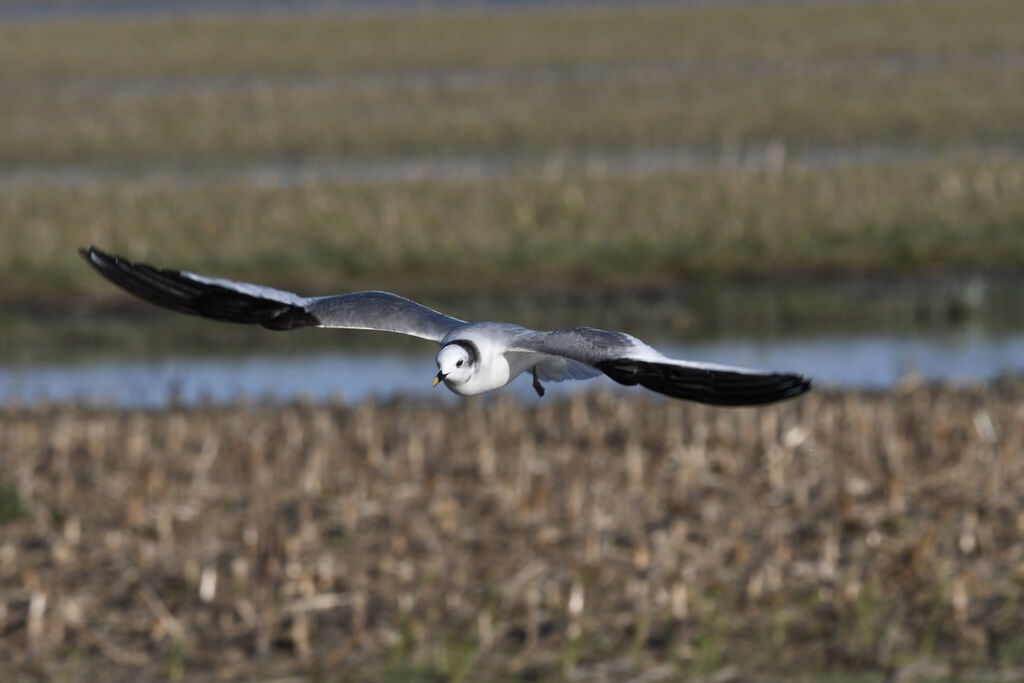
627	360
242	302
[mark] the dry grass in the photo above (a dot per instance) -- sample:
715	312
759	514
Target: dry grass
525	233
805	75
56	51
905	73
595	539
873	105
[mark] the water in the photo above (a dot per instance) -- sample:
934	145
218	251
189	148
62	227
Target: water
43	10
868	361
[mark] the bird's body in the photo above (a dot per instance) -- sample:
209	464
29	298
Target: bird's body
484	342
475	357
502	358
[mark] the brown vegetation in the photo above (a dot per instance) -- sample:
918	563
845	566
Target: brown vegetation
601	537
887	137
528	234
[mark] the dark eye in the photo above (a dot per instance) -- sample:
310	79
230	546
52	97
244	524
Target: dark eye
459	364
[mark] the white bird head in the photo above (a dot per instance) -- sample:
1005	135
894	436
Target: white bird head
456	363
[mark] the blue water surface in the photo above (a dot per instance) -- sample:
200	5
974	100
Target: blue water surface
869	361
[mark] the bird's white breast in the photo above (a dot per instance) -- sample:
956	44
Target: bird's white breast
493	370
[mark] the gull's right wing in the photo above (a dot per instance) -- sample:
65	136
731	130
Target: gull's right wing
242	302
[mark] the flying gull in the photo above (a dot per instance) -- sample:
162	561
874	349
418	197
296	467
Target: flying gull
474	357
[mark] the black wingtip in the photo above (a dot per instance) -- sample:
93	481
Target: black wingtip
707	385
790	385
97	258
103	262
179	292
87	252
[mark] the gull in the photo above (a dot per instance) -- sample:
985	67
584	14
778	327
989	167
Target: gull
475	357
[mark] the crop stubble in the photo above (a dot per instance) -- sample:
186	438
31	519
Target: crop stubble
602	535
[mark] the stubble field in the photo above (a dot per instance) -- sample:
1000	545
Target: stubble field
682	170
606	537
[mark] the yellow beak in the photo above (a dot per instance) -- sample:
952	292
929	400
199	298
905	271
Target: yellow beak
437	380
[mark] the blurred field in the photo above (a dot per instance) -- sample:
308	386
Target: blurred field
932	73
662	255
843	536
936	80
521	37
805	106
530	234
602	538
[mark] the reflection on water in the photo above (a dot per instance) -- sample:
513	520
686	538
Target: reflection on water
867	361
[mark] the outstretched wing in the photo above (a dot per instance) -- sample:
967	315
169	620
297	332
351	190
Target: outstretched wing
242	302
627	360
